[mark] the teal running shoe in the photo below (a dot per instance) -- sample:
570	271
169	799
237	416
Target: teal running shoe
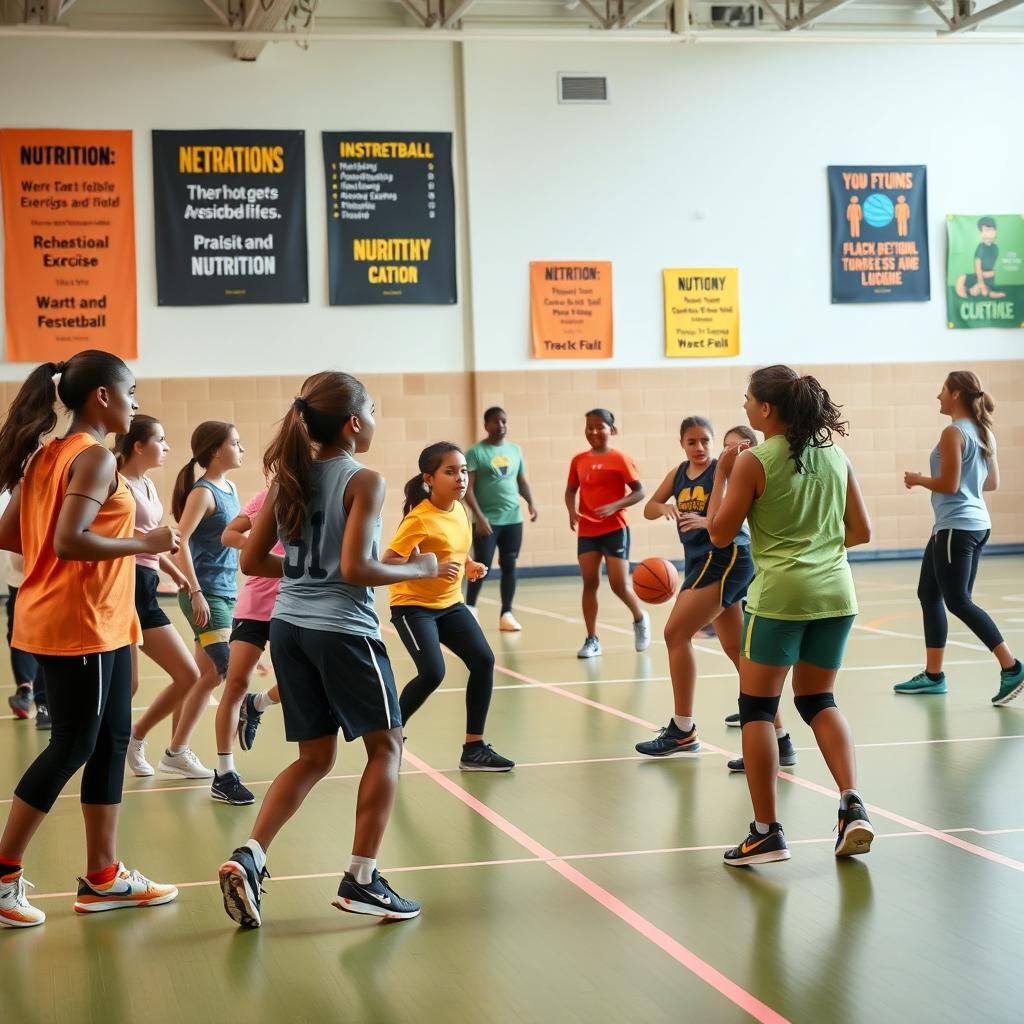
1011	684
922	684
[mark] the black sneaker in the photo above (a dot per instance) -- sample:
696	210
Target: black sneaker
240	887
787	755
759	849
855	830
733	720
377	899
671	740
43	717
228	789
20	702
482	757
248	722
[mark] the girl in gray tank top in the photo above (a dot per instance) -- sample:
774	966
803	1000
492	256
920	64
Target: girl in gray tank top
332	669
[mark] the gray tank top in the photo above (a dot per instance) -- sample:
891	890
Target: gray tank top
313	592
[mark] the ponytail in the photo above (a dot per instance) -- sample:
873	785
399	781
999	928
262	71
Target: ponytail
326	402
32	414
803	405
206	439
142	430
978	403
416	490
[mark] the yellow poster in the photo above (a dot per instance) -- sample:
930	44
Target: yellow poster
702	312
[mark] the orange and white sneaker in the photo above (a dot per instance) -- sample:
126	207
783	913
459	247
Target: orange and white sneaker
15	909
128	889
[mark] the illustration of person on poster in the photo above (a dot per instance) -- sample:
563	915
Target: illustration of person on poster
879	219
985	271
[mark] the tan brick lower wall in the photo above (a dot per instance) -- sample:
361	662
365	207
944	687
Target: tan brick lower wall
891	408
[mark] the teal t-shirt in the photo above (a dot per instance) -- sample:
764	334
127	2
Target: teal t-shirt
496	481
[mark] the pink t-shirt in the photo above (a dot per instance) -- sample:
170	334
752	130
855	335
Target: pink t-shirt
149	514
257	597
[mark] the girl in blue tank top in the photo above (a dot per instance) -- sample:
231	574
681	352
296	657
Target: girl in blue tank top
962	468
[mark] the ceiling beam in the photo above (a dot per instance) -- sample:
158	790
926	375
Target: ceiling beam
825	7
425	18
776	17
596	14
933	4
992	11
639	11
457	13
261	18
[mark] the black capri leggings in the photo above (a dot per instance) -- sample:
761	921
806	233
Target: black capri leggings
91	709
948	569
423	630
508	540
23	665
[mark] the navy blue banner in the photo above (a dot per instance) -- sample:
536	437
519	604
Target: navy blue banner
879	234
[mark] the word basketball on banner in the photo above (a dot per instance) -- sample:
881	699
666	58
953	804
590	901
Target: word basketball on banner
230	217
571	310
69	243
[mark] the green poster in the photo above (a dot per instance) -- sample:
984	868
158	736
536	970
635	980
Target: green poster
985	271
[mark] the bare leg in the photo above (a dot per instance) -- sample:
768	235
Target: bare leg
729	626
760	748
831	730
196	700
243	659
165	646
693	608
377	790
590	570
21	826
618	579
100	835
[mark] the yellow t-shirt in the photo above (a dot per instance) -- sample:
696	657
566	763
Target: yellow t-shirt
445	534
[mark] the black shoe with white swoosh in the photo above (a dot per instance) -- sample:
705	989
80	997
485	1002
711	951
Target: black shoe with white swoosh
376	898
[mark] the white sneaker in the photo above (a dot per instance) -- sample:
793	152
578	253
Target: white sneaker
508	623
15	909
473	611
642	632
591	648
186	764
136	758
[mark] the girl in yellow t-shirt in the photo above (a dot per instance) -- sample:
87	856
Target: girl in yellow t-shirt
430	612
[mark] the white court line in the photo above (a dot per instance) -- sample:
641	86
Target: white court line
918	637
926	743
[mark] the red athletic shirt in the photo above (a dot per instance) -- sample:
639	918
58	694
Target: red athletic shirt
601	479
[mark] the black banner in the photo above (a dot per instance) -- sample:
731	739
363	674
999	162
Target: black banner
230	217
390	218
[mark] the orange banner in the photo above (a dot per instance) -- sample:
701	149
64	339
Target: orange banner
69	243
571	310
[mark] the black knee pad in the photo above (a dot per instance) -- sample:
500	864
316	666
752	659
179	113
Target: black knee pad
809	704
218	654
757	709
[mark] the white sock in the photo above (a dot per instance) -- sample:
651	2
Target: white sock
262	701
684	723
135	739
362	868
175	751
761	828
258	854
780	732
225	763
845	796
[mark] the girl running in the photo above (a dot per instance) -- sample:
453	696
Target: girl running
608	483
203	509
963	467
141	448
239	711
800	497
73	518
714	584
497	480
332	668
429	612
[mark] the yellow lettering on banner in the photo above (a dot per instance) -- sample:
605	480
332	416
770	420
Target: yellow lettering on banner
414	250
386	150
230	159
394	274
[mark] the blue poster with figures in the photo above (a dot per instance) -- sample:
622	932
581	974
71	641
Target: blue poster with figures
879	234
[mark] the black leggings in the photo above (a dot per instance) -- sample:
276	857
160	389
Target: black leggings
24	665
508	540
91	710
948	569
423	630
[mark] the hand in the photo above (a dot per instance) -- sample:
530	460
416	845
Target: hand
475	571
532	513
573	520
163	538
200	609
449	571
604	511
427	564
727	459
692	521
911	480
669	510
483	526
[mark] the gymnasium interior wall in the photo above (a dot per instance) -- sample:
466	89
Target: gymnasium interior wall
706	156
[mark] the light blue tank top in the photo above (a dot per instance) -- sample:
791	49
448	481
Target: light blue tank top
216	565
966	509
313	593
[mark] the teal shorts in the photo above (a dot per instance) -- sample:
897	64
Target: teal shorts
218	629
819	642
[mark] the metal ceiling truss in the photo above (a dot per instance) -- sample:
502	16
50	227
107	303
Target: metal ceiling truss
45	12
257	16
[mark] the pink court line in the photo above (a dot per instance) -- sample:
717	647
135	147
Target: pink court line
688	959
978	851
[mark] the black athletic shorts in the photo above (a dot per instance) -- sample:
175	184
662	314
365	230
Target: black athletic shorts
611	545
331	681
730	569
151	615
251	631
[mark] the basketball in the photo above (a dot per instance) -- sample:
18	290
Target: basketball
655	580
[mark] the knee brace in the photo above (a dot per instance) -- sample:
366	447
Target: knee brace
809	704
216	648
757	709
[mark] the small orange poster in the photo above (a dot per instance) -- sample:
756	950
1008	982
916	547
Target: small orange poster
571	310
69	243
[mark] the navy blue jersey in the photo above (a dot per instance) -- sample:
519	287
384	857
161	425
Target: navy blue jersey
693	496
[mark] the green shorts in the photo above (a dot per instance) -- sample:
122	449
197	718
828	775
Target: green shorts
819	642
218	629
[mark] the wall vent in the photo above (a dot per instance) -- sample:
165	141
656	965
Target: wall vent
580	88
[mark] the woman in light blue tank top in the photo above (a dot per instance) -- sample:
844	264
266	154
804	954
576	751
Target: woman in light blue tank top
962	468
